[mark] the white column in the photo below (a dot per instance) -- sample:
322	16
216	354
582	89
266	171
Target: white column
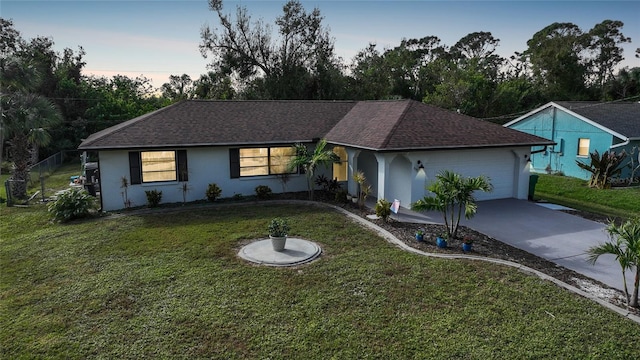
384	160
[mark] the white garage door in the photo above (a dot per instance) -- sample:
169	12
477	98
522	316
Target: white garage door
497	164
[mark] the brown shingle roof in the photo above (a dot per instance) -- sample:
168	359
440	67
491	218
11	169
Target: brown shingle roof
377	125
202	123
411	125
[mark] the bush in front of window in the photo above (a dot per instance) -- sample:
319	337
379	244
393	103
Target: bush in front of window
328	185
153	197
72	204
263	192
213	192
341	196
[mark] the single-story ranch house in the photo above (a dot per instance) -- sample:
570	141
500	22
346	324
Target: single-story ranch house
578	128
399	145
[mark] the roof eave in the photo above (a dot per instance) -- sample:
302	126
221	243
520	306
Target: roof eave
536	110
166	146
450	147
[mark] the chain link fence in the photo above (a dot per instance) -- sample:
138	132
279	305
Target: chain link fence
38	172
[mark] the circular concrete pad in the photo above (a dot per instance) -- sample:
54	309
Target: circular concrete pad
296	251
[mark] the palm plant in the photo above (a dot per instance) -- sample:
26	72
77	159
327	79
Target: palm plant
309	161
16	75
603	167
625	246
453	196
25	120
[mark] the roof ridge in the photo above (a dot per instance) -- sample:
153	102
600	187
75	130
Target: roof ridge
593	103
270	101
408	103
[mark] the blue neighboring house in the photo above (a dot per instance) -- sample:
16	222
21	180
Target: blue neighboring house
578	128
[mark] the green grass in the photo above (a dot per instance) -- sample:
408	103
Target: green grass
169	285
573	192
3	191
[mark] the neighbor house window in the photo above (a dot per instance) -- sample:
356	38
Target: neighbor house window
583	147
340	170
260	161
154	166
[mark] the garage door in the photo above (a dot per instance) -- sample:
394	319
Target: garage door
498	165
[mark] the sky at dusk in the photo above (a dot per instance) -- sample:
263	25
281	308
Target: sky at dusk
158	38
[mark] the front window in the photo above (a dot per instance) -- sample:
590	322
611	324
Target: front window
254	162
158	166
279	160
583	147
340	169
265	161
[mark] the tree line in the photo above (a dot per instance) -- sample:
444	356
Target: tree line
48	104
561	62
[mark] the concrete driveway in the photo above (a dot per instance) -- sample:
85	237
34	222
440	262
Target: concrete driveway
551	234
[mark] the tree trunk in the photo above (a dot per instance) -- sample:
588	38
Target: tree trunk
634	297
35	153
20	155
626	290
310	186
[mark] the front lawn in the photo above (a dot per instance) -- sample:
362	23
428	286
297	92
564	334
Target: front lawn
574	193
169	285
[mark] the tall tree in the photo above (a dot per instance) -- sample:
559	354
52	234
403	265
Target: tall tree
605	41
213	86
27	119
468	76
410	66
287	67
179	87
58	78
625	84
555	55
369	76
477	50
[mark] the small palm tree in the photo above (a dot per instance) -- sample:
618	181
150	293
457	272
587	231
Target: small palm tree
453	196
626	248
26	118
309	162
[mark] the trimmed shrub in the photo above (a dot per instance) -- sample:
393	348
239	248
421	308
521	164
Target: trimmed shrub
213	192
73	204
383	209
153	197
263	192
